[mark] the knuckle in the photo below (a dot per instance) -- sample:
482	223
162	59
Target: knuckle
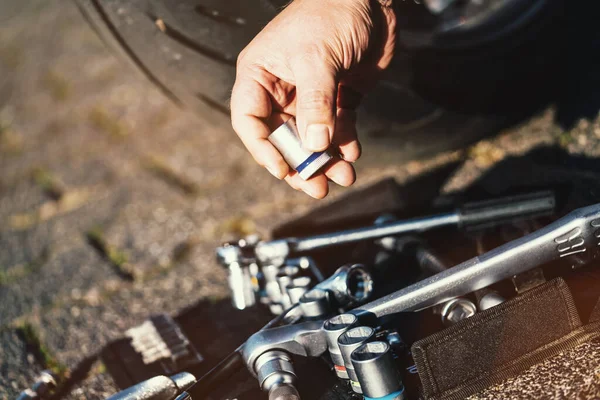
312	52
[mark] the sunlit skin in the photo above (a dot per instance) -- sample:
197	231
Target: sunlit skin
313	61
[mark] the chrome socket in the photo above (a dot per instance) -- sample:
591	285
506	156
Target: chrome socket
456	310
349	341
272	289
275	368
242	269
489	300
241	285
298	287
334	328
287	141
284	278
377	372
314	304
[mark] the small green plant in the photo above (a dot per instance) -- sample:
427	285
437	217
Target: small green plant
52	186
42	354
116	257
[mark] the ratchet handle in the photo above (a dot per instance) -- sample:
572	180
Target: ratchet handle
487	213
575	238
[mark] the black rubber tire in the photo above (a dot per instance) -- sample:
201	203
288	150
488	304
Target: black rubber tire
432	99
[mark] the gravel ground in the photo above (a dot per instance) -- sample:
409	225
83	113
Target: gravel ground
574	375
91	153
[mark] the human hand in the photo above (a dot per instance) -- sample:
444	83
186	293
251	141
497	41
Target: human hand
313	61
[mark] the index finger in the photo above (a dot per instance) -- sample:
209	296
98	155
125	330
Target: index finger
250	106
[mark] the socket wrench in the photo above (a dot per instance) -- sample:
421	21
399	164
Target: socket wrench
569	238
470	215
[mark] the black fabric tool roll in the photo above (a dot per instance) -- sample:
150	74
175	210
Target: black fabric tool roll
501	342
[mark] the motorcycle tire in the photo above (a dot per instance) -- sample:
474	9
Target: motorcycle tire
435	96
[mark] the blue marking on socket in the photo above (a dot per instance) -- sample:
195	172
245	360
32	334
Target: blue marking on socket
393	396
309	160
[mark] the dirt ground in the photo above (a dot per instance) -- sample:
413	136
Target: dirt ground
103	181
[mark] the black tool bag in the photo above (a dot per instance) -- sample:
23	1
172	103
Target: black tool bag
503	342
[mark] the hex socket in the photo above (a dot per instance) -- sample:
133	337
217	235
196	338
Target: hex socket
271	286
240	284
349	341
298	287
314	303
376	370
489	300
274	368
286	140
284	278
334	328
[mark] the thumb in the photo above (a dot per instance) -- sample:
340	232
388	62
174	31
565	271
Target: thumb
316	95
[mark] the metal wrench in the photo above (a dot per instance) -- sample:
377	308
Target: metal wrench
575	235
481	213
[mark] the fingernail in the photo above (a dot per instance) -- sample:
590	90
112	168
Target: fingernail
274	171
317	137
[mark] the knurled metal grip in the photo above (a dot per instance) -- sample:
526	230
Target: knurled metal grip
287	141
